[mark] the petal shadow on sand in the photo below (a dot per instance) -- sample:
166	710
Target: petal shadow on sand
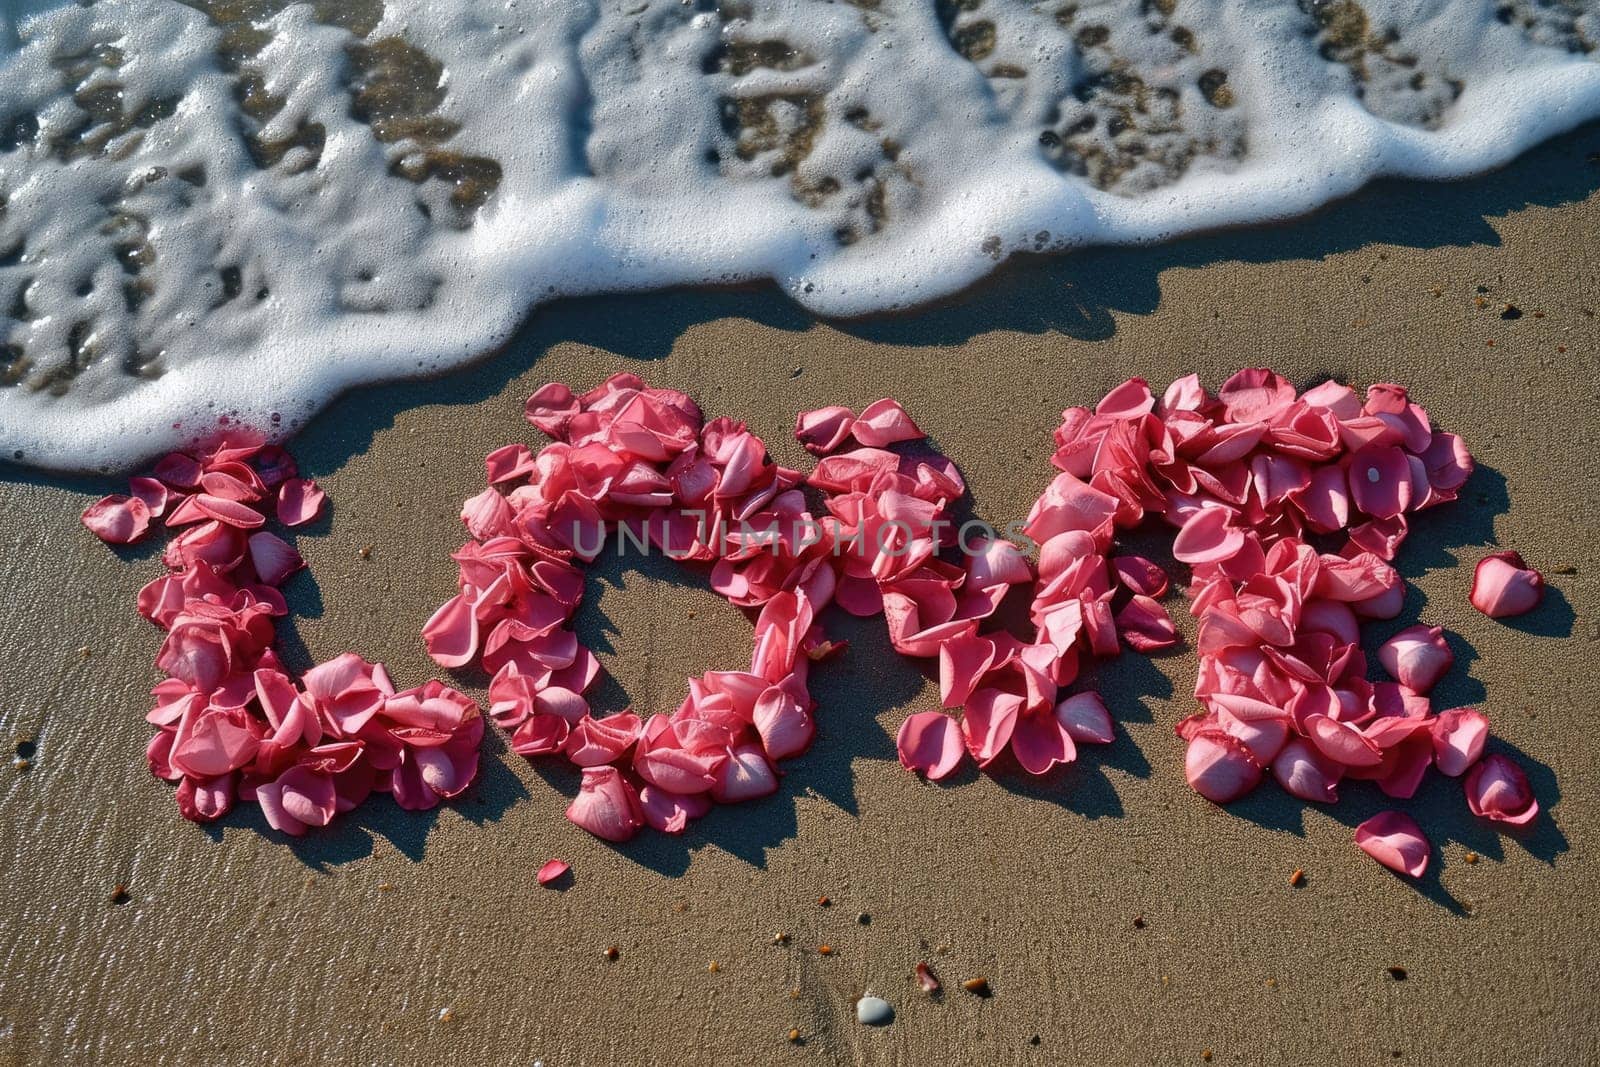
352	835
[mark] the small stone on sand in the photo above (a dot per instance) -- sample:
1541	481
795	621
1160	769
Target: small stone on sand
874	1011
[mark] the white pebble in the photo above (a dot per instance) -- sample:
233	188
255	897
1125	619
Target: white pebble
874	1011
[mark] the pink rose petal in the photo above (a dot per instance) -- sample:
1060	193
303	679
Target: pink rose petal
1305	772
299	501
229	512
153	492
452	633
825	429
1342	743
1255	395
1395	840
745	775
885	422
1219	767
930	742
1039	742
606	805
1141	575
1497	789
784	724
1146	626
1458	739
1085	719
118	520
671	813
597	741
273	558
1380	481
1417	657
1129	400
1208	537
1503	586
179	471
553	870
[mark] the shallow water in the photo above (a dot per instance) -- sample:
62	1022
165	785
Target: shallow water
235	209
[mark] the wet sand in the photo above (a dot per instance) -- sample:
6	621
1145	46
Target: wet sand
1117	916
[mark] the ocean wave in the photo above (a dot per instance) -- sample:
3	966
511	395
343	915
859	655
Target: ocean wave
233	210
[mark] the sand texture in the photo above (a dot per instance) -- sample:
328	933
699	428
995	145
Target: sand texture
401	938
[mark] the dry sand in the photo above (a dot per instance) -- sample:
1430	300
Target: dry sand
398	938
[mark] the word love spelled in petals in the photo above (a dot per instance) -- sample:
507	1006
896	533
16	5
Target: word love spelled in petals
232	724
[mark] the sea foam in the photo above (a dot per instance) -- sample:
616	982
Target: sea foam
226	210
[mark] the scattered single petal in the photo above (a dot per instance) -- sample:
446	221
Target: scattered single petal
1503	586
1395	840
553	870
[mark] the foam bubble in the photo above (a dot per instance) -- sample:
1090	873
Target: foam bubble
206	214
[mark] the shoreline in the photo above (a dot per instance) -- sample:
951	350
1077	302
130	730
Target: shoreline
1562	169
